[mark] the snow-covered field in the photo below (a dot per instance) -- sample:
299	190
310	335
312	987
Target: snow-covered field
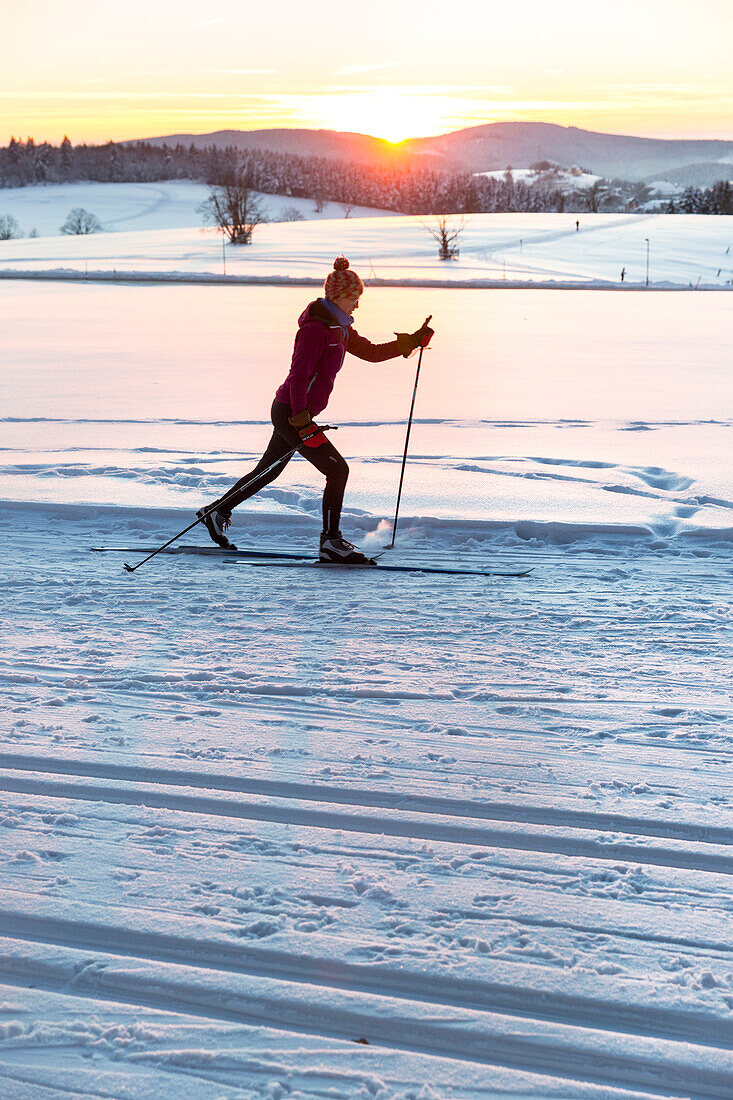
561	177
581	410
253	819
123	207
158	233
269	833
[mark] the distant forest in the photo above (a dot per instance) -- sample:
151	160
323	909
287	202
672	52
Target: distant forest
407	188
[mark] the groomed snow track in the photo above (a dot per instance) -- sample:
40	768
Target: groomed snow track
502	870
545	1028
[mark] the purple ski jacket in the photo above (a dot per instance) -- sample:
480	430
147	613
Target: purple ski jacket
321	344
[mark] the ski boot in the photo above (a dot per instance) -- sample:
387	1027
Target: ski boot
217	524
335	548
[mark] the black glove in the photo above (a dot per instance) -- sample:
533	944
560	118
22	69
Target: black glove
407	342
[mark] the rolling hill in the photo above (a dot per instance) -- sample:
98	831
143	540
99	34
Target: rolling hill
495	146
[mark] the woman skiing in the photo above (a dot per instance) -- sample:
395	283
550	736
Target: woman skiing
325	334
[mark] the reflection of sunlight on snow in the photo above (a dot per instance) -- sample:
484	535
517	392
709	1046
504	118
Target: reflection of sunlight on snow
531	404
219	353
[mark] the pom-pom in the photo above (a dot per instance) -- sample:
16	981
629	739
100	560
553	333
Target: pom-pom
340	264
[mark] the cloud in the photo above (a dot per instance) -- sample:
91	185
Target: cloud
100	97
354	70
242	72
418	89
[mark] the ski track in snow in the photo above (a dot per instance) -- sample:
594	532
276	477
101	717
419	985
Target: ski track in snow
398	836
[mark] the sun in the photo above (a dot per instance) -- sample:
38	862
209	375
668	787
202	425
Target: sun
387	113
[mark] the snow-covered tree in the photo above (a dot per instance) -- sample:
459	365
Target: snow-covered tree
81	222
446	233
67	158
720	198
595	195
9	227
234	208
692	201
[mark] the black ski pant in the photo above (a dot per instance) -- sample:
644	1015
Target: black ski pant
325	458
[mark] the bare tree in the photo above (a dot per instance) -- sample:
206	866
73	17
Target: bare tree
234	208
80	222
446	233
9	227
291	214
641	193
594	195
347	208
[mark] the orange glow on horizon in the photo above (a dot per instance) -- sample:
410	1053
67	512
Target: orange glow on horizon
390	116
390	70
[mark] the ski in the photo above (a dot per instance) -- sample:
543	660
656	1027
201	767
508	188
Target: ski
374	567
206	552
273	558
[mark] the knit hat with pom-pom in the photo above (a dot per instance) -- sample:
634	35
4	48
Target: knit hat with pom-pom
342	282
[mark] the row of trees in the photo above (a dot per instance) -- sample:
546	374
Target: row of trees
717	199
406	187
24	162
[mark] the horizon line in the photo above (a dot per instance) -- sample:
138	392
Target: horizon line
372	137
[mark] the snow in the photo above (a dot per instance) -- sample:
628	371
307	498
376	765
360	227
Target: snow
269	833
566	430
564	178
122	207
505	864
503	249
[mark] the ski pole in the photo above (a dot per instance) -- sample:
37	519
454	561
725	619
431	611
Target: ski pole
390	546
214	507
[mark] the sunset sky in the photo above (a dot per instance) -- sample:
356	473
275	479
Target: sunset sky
101	70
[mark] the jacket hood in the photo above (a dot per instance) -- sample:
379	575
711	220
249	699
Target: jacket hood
316	312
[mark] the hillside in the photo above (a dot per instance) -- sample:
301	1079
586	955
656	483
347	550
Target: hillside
494	146
319	143
483	148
